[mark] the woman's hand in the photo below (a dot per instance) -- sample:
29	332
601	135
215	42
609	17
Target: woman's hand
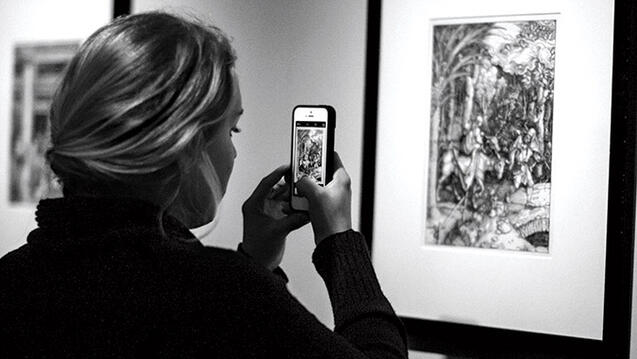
267	219
330	206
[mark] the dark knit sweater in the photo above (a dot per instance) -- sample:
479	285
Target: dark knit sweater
98	279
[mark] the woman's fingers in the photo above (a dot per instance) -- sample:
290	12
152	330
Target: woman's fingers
294	221
307	187
337	161
280	192
265	186
340	174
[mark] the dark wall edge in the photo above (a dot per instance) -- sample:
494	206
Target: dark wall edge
121	7
370	115
620	243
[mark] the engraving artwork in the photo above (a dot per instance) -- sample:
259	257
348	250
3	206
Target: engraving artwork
489	168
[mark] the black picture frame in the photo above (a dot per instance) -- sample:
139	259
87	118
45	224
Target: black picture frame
121	7
476	341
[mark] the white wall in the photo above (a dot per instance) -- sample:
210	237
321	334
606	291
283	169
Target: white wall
30	21
290	52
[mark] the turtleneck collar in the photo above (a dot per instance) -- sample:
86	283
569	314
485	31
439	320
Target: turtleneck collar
86	218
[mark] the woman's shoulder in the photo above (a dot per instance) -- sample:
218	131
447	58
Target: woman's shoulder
233	263
15	260
213	281
211	266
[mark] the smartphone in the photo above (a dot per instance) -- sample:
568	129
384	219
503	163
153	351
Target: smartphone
312	148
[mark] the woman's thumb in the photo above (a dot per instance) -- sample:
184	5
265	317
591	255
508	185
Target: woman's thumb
307	187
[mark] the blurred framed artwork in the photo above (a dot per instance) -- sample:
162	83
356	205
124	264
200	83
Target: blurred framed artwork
492	205
38	69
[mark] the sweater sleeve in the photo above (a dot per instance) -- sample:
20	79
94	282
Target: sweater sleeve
362	314
278	325
278	271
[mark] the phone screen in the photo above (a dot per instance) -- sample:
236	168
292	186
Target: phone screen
310	142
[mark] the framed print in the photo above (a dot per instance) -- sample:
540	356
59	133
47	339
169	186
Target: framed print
499	172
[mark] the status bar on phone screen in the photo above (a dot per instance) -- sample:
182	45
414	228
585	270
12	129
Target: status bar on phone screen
310	124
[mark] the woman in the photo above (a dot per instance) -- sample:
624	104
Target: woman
141	133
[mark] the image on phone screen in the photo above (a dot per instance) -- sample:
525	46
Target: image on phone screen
310	156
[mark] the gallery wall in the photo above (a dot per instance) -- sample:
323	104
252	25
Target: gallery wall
33	22
289	53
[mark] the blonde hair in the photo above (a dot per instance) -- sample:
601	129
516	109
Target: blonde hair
137	106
